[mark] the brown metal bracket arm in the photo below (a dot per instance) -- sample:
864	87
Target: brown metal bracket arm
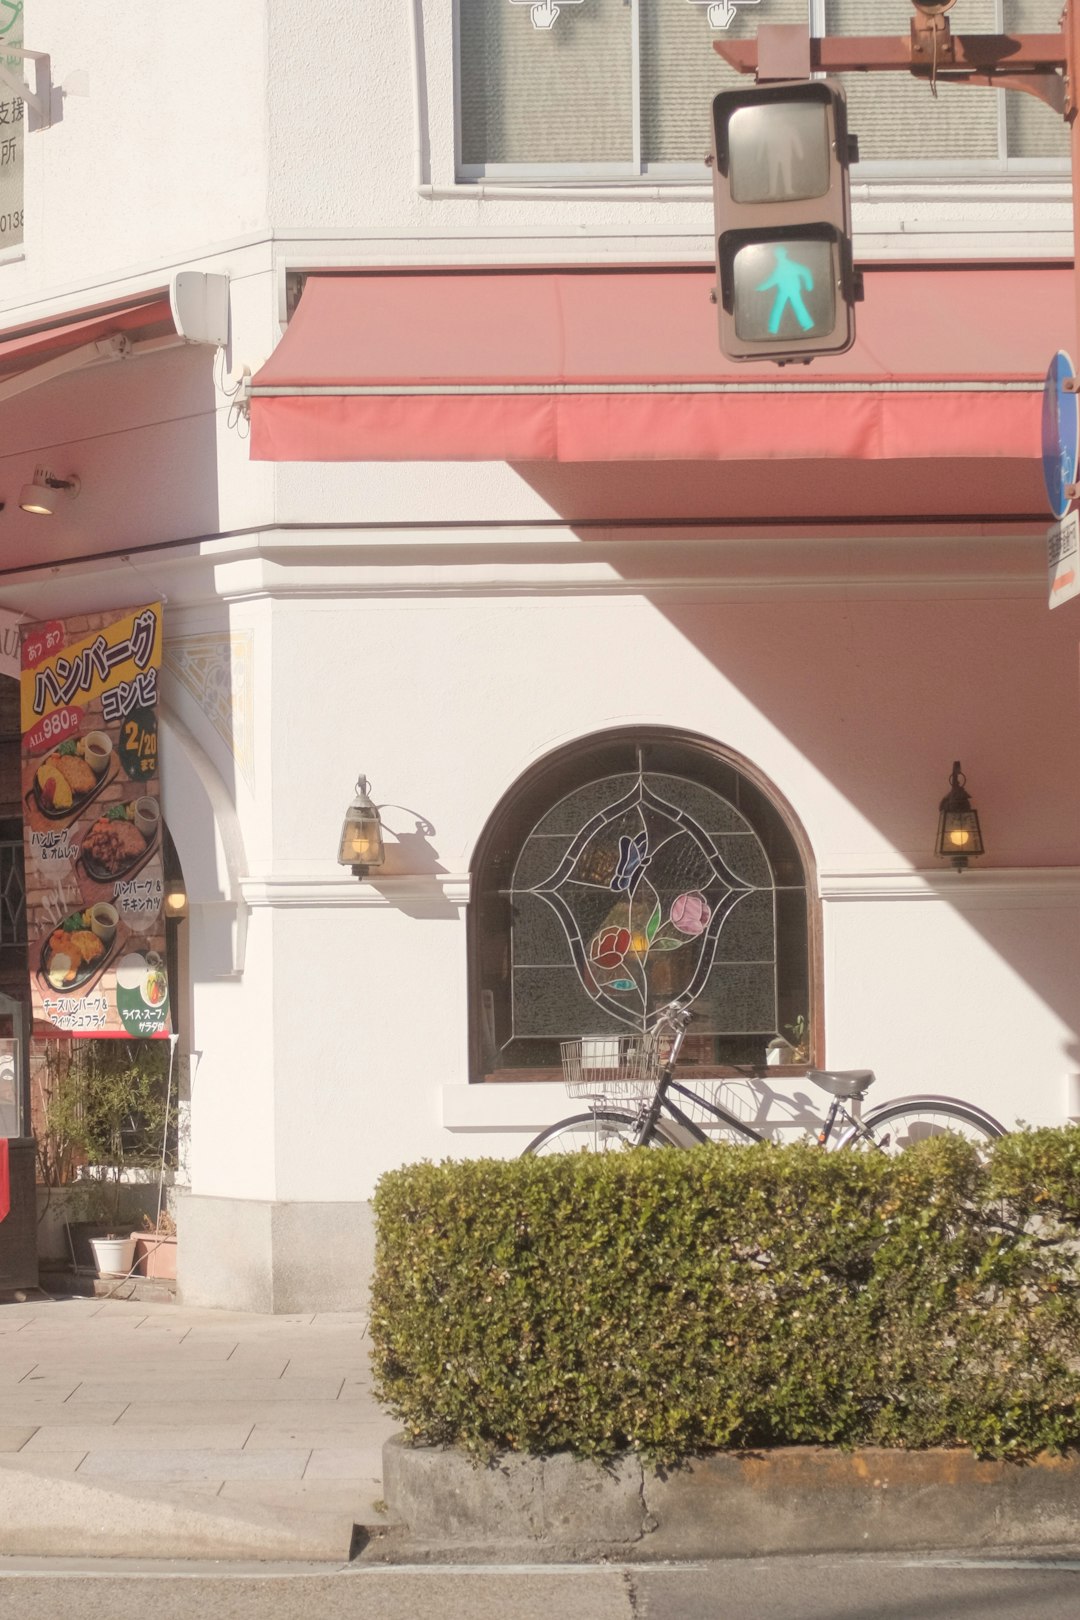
1033	63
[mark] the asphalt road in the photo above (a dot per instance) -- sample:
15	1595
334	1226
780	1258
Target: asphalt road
1043	1586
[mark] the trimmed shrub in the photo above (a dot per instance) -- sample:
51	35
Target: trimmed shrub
676	1302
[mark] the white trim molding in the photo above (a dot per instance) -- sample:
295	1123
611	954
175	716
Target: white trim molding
978	887
306	890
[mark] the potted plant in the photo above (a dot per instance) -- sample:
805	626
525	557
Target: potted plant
799	1030
781	1050
70	1204
155	1247
109	1119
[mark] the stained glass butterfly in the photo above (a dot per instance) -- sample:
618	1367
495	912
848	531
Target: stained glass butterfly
632	863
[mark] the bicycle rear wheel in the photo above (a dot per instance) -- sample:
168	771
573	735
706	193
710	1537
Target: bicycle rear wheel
898	1125
605	1130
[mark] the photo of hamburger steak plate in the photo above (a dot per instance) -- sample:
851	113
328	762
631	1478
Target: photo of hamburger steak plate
64	781
115	845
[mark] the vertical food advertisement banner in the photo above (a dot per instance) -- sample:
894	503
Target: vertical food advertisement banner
92	824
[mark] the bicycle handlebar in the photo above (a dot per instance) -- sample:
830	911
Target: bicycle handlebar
675	1013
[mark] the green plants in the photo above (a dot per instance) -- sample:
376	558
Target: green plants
799	1033
675	1303
105	1126
130	1126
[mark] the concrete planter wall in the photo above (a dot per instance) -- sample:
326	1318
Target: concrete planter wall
792	1500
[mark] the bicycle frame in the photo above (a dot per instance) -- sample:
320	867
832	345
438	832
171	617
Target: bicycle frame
663	1105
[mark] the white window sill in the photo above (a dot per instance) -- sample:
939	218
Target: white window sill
527	1105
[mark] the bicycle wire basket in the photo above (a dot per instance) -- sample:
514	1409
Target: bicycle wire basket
613	1068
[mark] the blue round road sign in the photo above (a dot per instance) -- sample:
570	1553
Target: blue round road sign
1060	434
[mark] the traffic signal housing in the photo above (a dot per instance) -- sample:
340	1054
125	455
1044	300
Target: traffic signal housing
786	284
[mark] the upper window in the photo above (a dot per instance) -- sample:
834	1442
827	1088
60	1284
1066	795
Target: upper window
618	88
621	874
12	127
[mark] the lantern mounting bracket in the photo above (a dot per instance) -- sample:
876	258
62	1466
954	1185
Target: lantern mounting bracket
40	98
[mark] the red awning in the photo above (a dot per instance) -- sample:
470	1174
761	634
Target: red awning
20	350
601	365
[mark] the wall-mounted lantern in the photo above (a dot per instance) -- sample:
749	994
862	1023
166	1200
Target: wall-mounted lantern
959	834
361	845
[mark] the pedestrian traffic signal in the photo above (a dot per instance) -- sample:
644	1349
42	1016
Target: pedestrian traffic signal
786	284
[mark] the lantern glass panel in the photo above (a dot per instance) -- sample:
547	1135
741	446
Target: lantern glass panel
361	838
959	834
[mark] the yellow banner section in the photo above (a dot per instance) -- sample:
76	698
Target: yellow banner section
118	664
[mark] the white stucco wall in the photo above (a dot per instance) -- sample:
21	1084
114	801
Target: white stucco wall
164	153
183	130
855	708
441	628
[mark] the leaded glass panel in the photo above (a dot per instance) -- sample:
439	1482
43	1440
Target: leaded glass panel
630	869
642	895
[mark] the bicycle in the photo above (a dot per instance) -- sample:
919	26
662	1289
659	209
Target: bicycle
635	1070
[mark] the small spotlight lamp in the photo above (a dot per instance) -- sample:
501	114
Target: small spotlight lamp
43	494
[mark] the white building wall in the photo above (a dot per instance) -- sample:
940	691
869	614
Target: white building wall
442	628
160	151
854	709
184	130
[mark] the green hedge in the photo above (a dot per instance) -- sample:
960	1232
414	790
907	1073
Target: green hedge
735	1297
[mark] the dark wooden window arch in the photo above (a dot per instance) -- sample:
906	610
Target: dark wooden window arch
626	869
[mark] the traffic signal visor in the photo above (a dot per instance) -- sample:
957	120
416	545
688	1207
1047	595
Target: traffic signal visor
786	284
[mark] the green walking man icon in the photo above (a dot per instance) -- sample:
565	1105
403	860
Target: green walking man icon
789	279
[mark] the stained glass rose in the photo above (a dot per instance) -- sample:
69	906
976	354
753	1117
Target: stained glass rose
609	947
690	914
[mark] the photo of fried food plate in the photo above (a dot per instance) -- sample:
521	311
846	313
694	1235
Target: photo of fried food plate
75	953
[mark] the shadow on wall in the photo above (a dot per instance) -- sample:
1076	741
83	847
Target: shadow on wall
409	879
880	688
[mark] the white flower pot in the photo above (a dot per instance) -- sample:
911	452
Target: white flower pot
113	1256
778	1052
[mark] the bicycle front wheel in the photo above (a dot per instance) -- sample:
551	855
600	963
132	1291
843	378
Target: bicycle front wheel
898	1125
605	1130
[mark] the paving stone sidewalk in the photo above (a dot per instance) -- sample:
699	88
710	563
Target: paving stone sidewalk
183	1406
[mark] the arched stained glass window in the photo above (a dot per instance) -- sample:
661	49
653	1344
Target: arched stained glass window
621	873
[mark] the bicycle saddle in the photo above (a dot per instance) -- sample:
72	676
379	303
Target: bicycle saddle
842	1082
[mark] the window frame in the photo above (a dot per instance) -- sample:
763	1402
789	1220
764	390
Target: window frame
634	171
14	251
541	782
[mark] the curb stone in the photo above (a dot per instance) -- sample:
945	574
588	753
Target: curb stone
727	1505
41	1516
